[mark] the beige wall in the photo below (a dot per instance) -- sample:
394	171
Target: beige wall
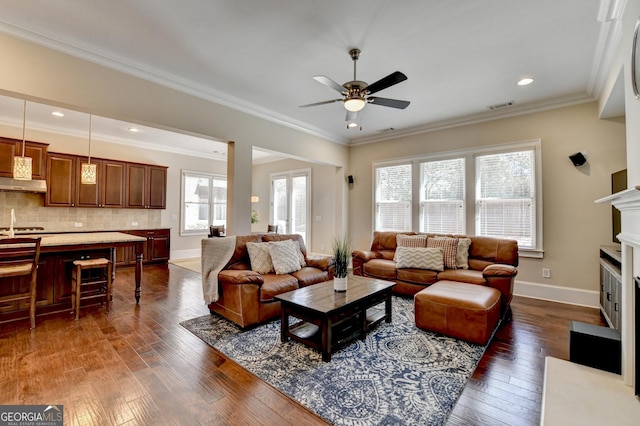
574	226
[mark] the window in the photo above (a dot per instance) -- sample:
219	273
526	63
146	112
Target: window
505	196
492	191
204	202
442	205
393	198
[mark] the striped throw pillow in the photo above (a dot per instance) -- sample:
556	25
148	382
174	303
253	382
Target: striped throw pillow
449	248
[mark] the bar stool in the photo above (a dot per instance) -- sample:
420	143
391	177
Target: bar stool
19	257
77	283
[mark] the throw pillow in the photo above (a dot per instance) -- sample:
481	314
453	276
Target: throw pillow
296	247
420	258
449	248
260	257
284	256
409	241
462	256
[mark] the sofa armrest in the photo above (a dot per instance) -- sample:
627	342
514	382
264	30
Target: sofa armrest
499	270
365	255
501	277
240	276
321	262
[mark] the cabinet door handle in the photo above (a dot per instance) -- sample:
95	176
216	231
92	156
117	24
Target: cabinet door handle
615	306
609	297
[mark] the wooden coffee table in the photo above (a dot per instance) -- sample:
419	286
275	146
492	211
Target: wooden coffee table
331	319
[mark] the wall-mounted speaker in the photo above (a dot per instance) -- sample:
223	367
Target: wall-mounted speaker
578	159
350	179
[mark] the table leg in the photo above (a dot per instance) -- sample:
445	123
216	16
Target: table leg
363	323
326	339
387	308
139	248
284	322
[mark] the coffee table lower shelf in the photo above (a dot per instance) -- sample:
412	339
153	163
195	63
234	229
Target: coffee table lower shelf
342	332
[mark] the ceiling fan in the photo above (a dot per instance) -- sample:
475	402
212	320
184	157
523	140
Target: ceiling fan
356	93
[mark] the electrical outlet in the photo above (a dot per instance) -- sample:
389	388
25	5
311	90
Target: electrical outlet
78	224
134	223
546	273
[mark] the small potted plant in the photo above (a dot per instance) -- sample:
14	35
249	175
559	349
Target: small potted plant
342	253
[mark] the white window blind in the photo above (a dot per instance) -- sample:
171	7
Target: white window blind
393	198
442	205
505	196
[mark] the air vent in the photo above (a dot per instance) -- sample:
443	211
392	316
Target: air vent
501	106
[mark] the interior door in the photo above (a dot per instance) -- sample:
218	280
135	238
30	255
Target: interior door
290	202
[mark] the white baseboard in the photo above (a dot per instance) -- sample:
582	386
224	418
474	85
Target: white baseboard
554	293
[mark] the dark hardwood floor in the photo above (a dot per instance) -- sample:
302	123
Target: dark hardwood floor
135	365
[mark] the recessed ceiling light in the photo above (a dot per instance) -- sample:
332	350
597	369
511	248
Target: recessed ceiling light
352	124
57	114
525	81
134	130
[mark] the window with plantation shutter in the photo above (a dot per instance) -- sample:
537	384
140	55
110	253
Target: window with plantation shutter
393	198
506	196
442	204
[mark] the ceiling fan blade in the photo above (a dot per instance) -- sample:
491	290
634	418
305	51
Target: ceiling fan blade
388	81
351	116
321	103
393	103
328	82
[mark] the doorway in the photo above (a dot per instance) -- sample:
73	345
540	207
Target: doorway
291	202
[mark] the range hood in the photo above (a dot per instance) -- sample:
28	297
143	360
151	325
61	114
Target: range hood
15	185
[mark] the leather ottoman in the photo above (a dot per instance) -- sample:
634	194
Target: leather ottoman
465	311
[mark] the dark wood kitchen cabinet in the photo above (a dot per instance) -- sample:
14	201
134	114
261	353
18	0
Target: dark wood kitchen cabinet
109	189
156	248
61	180
119	184
10	148
146	186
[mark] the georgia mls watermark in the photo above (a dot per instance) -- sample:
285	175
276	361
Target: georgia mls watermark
31	415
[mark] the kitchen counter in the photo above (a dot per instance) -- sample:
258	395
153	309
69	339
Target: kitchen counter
75	238
57	253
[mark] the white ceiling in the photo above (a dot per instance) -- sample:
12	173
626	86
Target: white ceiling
460	56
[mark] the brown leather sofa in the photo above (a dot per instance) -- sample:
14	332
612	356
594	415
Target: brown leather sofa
246	297
492	262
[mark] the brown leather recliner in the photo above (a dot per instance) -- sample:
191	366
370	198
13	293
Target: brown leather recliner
246	297
492	262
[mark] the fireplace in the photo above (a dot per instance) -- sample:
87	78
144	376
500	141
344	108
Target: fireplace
636	289
628	202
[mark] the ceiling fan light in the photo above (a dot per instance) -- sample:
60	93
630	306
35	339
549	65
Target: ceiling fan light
354	104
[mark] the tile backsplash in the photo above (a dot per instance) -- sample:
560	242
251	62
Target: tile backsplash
30	211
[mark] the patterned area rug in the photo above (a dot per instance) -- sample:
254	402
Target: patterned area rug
398	375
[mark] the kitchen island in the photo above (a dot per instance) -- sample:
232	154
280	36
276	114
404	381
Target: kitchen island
57	253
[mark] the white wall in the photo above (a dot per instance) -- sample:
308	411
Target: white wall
574	226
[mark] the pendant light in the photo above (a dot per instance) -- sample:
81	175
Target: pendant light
22	168
88	171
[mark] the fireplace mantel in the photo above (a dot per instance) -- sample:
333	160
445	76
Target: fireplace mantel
629	199
628	202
